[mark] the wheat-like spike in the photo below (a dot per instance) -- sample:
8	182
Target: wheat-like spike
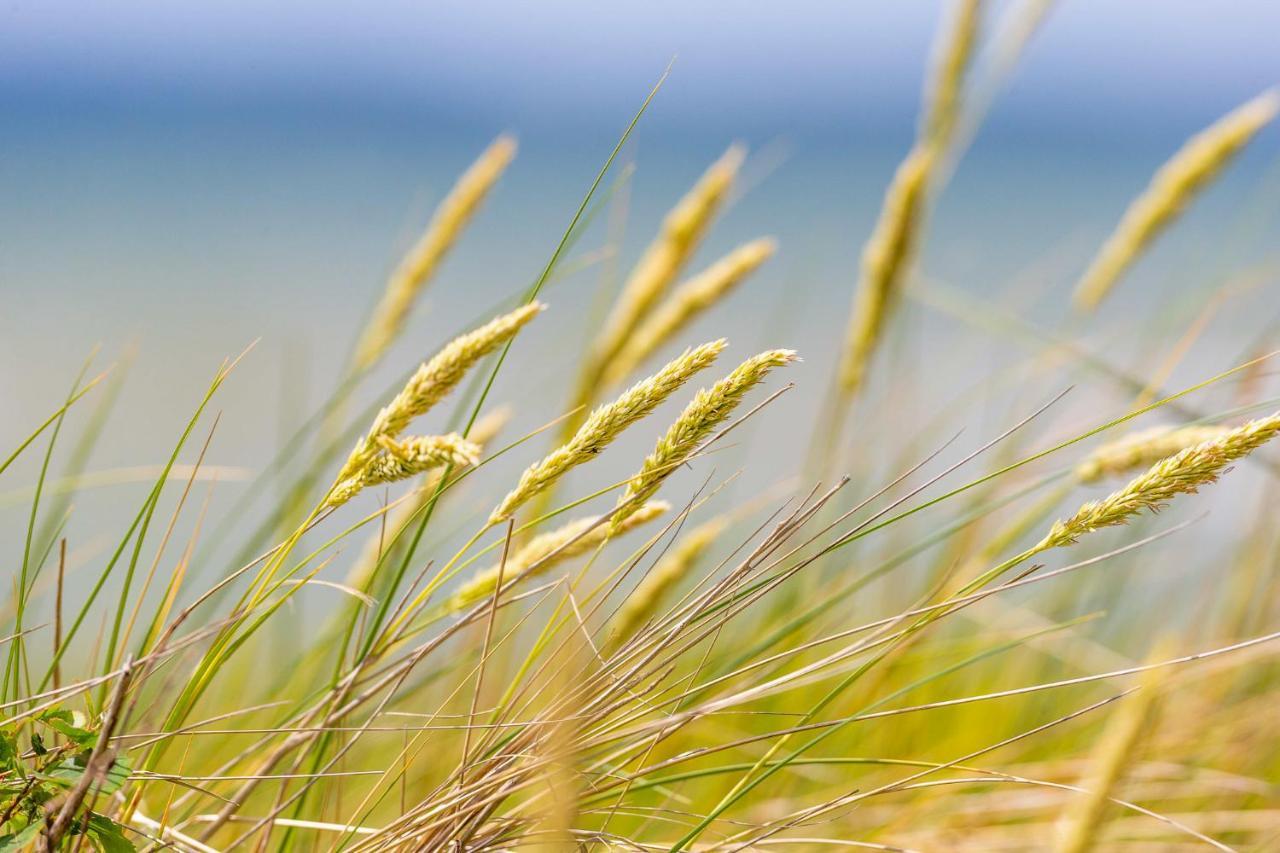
1171	188
417	267
949	74
604	424
669	571
686	303
541	552
484	431
434	380
1118	746
886	259
1182	473
682	230
403	459
708	409
1142	449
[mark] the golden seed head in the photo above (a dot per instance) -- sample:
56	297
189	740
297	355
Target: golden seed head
433	381
1182	473
708	409
682	230
1142	449
686	303
403	459
1189	170
546	550
604	424
417	267
886	260
484	431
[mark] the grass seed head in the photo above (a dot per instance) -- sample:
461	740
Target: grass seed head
433	381
682	231
546	550
1173	186
689	300
1141	449
605	424
1183	473
417	267
708	409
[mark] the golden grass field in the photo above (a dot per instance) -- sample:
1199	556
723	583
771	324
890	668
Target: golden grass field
918	638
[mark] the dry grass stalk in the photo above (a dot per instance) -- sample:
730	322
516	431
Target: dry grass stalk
1182	473
1114	755
708	409
433	381
1173	186
605	424
548	549
1141	449
674	567
689	300
417	267
682	231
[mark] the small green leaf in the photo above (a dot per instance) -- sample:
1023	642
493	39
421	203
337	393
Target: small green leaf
20	839
109	835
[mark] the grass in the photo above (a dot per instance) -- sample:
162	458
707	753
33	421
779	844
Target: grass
923	640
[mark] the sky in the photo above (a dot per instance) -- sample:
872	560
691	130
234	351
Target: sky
806	62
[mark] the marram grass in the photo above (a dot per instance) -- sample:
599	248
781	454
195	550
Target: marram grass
454	646
418	266
1172	187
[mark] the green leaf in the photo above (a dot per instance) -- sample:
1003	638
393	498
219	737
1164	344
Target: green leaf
70	725
109	835
20	839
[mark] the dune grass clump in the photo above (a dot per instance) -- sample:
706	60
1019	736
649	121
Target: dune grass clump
407	633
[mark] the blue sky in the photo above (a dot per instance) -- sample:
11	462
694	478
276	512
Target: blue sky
804	62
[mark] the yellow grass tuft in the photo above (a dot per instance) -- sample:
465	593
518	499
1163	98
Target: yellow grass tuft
484	431
605	424
691	299
1173	186
417	267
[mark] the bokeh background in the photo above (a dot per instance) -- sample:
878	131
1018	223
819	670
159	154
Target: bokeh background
182	179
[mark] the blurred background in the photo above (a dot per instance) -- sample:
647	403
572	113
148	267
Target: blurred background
183	179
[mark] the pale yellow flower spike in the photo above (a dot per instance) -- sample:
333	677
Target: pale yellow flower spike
682	231
433	381
708	409
1182	473
417	267
1142	449
548	549
686	303
1173	186
604	424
